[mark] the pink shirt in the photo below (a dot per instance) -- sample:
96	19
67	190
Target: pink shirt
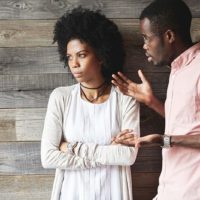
180	176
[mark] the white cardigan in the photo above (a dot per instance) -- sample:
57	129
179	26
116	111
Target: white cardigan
87	155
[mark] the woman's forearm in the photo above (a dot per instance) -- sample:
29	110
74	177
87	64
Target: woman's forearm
107	154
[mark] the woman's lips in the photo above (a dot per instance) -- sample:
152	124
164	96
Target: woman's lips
77	75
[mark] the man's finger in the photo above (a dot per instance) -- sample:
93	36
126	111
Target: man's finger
118	80
141	75
124	78
124	132
128	142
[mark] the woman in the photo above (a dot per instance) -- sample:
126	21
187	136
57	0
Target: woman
82	119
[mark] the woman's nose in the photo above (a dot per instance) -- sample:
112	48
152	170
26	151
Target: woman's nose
74	63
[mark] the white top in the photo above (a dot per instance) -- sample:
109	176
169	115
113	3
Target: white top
94	123
98	170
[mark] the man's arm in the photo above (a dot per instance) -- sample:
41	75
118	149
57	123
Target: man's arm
189	141
141	92
192	141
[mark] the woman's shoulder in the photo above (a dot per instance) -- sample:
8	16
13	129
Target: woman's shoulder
122	96
124	100
63	92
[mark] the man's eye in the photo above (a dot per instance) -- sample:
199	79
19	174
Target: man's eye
145	38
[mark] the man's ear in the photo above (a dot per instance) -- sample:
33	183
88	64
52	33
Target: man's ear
170	36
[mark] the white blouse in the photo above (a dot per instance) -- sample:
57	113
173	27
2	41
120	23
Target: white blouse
98	170
92	123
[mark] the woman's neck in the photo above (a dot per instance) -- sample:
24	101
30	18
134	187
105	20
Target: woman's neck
95	93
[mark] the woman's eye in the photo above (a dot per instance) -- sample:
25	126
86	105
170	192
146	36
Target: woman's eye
69	58
82	55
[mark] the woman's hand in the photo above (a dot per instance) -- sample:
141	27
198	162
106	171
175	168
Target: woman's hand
63	146
141	92
126	137
123	137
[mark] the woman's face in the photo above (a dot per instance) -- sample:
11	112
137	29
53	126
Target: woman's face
83	62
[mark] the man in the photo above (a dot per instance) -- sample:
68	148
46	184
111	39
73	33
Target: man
165	27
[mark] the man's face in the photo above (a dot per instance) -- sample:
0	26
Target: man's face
155	46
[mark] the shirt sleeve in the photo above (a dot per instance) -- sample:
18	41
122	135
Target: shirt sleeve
87	155
51	156
115	154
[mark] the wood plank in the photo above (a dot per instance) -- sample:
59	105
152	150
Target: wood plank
51	81
34	82
145	180
33	99
24	158
44	9
36	187
150	121
19	158
45	60
144	185
22	114
144	193
38	60
20	33
24	33
21	124
26	187
24	99
32	91
149	159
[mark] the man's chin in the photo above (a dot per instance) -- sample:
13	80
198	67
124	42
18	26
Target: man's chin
158	64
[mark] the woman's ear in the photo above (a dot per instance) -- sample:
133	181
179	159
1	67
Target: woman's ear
170	36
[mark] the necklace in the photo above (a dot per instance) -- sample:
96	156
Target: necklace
99	95
94	88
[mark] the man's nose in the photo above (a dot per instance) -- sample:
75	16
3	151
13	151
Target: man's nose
145	46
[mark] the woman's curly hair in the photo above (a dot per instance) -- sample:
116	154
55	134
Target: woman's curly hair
96	30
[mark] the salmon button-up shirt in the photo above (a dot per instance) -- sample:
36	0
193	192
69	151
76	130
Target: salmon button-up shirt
180	176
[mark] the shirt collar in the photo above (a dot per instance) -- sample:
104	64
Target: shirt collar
186	57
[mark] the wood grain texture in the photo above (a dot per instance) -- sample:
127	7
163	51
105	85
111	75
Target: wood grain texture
144	185
44	9
34	82
31	187
50	81
19	158
39	33
38	187
21	124
24	99
24	91
38	60
45	60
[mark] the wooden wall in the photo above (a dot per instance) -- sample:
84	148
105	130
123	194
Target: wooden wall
30	69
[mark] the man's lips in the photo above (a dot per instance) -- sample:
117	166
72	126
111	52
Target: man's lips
149	57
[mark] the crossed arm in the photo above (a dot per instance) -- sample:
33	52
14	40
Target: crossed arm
86	155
